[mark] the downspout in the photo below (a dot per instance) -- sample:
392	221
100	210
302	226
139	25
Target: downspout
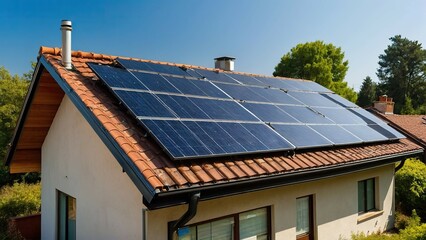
400	165
186	217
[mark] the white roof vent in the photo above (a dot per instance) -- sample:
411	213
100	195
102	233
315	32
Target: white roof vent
225	63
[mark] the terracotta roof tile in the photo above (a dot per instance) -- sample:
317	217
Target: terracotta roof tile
162	172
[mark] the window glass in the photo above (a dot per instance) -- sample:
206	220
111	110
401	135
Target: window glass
67	216
302	222
254	224
366	195
361	196
370	194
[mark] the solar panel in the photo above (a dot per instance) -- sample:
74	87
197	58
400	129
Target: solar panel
199	113
116	77
215	76
269	113
301	136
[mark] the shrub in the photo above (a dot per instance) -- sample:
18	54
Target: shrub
18	200
410	187
403	221
414	233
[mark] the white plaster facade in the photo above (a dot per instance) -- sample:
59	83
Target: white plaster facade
109	206
75	161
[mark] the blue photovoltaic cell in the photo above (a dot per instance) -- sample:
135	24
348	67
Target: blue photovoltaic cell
174	135
339	100
209	89
155	82
277	83
196	87
313	99
167	69
313	86
244	137
245	79
185	86
365	132
268	137
143	104
341	115
305	115
240	92
276	96
215	76
163	133
136	65
269	113
336	134
226	110
116	77
387	131
183	107
189	141
367	116
210	140
301	136
221	137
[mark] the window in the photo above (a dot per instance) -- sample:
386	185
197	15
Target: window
67	209
366	195
251	225
304	218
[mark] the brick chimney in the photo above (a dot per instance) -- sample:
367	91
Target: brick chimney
384	105
225	63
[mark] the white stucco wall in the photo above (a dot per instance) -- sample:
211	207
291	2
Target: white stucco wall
335	207
76	162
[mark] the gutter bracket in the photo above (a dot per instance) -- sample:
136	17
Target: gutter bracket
173	226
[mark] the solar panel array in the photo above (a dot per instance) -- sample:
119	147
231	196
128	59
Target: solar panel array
195	113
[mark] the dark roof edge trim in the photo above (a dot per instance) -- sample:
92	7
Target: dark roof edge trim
24	112
126	163
180	196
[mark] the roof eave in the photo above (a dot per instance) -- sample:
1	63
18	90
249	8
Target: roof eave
24	112
208	192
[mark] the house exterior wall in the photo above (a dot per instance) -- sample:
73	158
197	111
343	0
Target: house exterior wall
335	207
75	161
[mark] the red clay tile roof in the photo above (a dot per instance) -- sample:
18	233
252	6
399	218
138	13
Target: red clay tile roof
165	174
414	125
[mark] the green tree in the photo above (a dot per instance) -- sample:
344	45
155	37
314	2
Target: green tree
407	108
367	93
319	62
12	93
402	72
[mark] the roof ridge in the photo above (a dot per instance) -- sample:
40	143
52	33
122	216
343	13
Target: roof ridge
96	56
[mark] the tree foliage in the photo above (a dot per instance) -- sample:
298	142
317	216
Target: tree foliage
12	94
319	62
402	72
18	200
410	190
367	93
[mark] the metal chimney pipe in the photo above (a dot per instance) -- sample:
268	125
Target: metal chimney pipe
66	29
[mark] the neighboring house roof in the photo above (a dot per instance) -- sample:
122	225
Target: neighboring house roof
162	181
413	126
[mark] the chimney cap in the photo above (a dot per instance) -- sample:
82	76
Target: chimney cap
66	25
224	58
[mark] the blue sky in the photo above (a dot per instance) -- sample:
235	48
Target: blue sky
257	32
